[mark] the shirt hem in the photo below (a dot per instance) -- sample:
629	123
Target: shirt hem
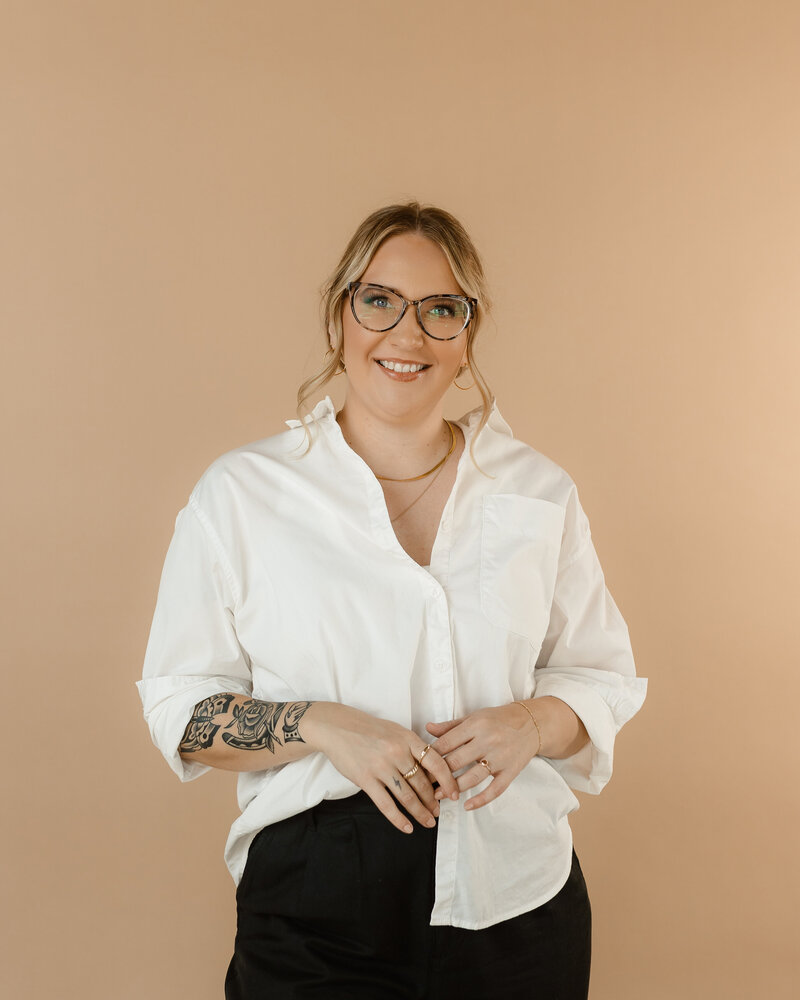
479	925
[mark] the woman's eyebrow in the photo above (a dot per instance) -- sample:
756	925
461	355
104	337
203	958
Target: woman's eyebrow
379	284
389	288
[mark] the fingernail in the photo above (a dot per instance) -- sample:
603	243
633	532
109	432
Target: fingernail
408	828
454	796
430	821
435	810
438	795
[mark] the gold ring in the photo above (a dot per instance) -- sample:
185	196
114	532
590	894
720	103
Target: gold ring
485	763
412	772
427	748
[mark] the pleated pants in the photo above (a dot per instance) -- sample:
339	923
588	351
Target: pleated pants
335	902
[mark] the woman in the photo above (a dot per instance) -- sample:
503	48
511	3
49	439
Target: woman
395	627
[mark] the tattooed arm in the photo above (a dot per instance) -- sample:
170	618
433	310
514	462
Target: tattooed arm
237	733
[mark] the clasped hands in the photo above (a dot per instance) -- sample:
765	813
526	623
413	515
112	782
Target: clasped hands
381	757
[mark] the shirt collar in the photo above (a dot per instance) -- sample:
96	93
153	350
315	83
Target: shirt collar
495	423
324	409
325	412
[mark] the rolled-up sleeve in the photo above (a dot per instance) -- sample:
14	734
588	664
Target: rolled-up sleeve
193	651
586	658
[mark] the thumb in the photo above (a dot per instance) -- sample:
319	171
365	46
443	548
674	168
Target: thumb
440	728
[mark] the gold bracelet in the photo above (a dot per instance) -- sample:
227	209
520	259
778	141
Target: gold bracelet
538	730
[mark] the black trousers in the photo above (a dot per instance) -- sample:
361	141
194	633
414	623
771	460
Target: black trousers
335	902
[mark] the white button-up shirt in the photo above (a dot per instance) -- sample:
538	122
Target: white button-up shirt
285	581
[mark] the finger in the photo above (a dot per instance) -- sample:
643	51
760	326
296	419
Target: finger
421	784
463	756
410	801
436	766
474	776
440	728
497	786
384	801
457	734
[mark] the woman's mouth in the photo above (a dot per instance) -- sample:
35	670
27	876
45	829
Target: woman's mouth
402	371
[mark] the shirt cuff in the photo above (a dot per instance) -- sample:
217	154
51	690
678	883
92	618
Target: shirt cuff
604	701
168	705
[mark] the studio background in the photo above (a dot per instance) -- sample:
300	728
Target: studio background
178	179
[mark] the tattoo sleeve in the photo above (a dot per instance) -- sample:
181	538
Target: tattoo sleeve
258	724
291	720
201	730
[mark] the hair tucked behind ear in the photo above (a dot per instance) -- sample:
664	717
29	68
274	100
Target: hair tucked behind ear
448	234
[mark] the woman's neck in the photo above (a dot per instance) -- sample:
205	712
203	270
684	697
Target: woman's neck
395	448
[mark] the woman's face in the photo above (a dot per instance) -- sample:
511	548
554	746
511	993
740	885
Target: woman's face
414	266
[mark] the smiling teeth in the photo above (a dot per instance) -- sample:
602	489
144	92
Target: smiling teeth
394	367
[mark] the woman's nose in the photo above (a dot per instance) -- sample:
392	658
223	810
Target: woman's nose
408	329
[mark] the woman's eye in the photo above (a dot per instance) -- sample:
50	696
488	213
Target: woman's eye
442	311
376	300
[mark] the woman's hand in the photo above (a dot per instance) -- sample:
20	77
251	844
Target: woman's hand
375	754
505	737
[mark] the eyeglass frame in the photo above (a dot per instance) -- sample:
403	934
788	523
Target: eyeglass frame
353	286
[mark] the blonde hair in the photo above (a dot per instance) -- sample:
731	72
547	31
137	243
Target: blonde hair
465	262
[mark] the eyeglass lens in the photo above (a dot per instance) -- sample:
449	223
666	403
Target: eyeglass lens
377	309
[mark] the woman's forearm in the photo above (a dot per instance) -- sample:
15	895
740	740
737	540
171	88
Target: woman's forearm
234	732
562	732
237	733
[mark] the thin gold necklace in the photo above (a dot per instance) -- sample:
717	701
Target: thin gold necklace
412	479
421	495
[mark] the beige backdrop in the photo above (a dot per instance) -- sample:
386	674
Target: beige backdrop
178	178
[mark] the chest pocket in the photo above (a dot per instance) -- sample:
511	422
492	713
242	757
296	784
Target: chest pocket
520	544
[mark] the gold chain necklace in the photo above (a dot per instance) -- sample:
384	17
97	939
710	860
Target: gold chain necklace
412	479
421	495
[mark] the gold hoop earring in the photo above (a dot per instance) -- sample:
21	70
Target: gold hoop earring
463	387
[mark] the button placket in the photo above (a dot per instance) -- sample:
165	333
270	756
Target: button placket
446	854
